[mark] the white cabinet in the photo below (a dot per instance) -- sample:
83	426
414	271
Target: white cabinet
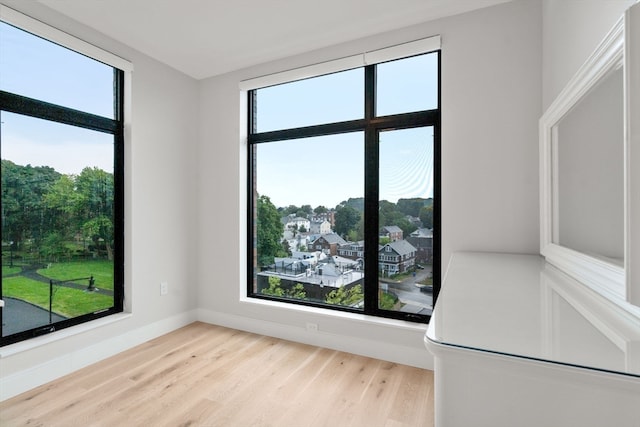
516	342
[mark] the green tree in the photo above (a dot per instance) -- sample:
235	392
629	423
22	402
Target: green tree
275	289
269	230
53	246
291	209
95	207
320	210
412	206
62	202
360	229
346	220
388	301
342	296
285	247
390	215
426	216
297	291
407	226
24	215
355	202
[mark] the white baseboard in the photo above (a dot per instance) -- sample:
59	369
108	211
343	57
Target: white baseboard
25	380
418	357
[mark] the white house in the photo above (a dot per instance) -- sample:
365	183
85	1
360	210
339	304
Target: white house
320	227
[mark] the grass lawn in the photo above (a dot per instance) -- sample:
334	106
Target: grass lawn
101	270
388	301
66	302
6	271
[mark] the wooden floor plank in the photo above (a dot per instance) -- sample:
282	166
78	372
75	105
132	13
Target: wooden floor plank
206	375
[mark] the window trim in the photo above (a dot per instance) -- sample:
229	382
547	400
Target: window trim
371	126
378	56
31	107
61	38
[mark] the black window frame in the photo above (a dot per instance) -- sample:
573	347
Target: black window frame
18	104
371	125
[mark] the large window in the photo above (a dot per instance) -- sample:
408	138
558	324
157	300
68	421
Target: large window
61	141
344	189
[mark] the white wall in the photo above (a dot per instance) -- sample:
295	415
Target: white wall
160	244
491	84
571	31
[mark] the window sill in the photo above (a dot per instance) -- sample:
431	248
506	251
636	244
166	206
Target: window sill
36	342
334	314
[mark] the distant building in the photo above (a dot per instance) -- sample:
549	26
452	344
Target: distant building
318	273
392	232
328	216
396	257
352	250
328	243
422	240
292	222
320	227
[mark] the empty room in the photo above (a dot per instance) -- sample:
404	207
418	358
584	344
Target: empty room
338	213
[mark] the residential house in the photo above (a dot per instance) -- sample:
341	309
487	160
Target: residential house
396	257
329	216
352	250
422	240
320	226
391	232
296	223
328	243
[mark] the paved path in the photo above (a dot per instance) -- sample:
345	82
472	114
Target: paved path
18	316
31	272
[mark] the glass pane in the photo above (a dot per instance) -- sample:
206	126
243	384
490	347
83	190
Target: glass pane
331	98
306	212
405	257
407	85
57	222
33	67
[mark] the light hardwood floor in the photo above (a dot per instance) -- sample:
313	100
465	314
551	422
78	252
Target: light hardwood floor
205	375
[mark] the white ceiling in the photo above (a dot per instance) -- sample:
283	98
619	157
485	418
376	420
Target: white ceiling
203	38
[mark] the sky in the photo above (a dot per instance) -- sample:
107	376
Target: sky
33	67
328	170
316	171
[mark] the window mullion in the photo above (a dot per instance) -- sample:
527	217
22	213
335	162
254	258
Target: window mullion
44	110
371	195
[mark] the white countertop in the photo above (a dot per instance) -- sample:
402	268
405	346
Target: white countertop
521	306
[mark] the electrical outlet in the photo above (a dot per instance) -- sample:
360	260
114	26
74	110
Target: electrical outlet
164	288
312	327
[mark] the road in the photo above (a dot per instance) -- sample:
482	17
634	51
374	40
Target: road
415	301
